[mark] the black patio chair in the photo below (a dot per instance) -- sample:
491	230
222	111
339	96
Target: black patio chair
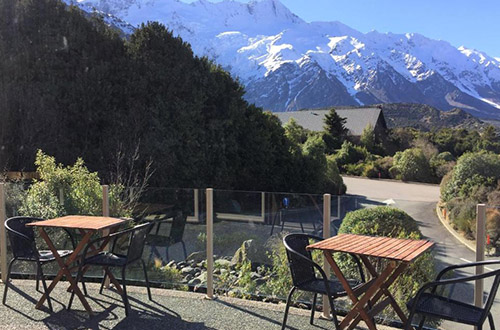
305	274
435	305
156	240
22	243
132	253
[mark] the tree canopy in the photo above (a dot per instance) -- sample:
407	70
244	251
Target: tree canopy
73	87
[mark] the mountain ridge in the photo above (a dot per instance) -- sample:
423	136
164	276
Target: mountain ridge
263	43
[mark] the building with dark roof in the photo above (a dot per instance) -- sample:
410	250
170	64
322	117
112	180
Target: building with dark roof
356	119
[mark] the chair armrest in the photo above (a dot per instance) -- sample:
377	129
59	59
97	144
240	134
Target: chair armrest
472	264
434	285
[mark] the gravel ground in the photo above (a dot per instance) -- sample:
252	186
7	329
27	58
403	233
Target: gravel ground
170	309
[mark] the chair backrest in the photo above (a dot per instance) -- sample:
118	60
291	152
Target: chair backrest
137	240
22	238
177	229
302	271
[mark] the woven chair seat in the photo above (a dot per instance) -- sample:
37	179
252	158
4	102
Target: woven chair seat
336	288
448	309
46	255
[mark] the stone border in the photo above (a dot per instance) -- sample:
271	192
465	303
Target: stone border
452	231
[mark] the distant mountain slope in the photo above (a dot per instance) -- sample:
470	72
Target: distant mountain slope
289	64
426	118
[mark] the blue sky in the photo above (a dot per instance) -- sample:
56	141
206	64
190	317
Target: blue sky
474	24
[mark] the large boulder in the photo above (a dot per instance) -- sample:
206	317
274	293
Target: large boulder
251	252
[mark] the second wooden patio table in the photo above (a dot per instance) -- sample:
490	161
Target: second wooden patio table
87	226
400	252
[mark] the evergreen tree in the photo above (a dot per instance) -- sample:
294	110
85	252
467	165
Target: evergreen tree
335	130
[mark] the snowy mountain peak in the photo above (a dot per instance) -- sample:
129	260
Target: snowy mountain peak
320	64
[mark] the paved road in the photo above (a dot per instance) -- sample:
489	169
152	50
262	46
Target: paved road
419	201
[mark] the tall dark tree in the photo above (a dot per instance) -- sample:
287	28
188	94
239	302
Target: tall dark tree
335	130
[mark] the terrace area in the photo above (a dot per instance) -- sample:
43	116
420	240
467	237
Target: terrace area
233	251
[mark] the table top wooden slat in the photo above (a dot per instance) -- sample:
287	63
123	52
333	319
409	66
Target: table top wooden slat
418	251
362	248
408	249
374	245
80	222
348	243
382	247
389	246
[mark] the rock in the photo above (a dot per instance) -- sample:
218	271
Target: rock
194	281
250	252
188	270
223	263
198	256
171	264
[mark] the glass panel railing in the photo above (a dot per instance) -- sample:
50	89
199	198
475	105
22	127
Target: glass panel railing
175	252
250	259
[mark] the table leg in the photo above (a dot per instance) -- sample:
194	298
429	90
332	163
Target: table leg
384	288
64	270
358	304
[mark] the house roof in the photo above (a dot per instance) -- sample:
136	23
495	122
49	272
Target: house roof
356	118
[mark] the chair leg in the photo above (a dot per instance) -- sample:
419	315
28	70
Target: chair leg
421	324
78	275
84	287
147	280
7	280
103	279
408	323
184	250
288	301
313	308
124	297
492	324
37	279
334	312
44	284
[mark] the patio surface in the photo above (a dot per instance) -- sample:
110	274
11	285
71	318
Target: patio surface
170	309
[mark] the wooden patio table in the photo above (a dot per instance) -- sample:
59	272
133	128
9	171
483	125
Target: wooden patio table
87	226
399	252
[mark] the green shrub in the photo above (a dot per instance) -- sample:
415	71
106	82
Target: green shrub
413	165
333	181
472	170
81	191
389	222
383	165
350	154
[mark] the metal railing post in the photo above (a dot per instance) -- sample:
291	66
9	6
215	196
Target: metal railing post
3	235
339	204
327	199
196	205
61	196
210	243
105	213
480	249
263	206
105	200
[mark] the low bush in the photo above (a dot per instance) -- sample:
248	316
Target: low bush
413	165
81	191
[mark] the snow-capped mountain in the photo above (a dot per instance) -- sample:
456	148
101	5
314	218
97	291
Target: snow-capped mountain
289	64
